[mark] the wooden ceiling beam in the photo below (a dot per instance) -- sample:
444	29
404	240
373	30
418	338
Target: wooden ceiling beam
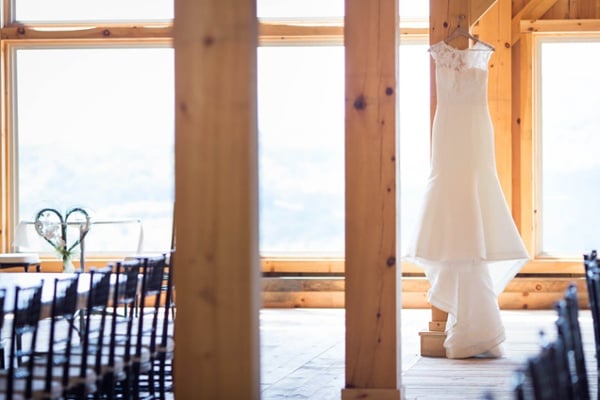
533	10
477	8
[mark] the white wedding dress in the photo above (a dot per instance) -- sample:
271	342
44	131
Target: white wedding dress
465	239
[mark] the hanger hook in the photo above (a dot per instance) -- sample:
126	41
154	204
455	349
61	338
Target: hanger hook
460	18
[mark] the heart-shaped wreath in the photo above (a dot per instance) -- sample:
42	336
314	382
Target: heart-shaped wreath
52	227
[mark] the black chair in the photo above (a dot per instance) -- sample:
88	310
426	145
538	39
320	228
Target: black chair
569	335
520	385
550	377
137	343
90	353
146	329
17	380
159	336
592	279
54	361
163	360
120	347
2	353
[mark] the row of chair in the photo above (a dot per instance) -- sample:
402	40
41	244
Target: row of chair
120	345
558	371
592	278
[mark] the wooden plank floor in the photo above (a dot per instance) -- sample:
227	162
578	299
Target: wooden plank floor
302	356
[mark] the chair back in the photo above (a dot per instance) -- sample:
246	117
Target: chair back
549	381
569	334
92	335
2	355
124	302
63	309
169	301
26	315
152	283
521	384
592	279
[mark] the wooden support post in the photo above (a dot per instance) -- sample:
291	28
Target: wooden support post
525	137
216	331
372	291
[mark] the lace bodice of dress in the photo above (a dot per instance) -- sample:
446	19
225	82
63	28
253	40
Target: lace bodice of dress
450	57
461	75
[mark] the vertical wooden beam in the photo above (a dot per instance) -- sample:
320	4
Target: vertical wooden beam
372	294
526	153
516	122
217	352
521	116
495	28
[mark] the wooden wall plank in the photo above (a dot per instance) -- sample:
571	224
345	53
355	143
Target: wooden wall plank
372	268
540	266
217	200
539	293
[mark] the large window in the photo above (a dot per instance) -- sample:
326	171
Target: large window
414	135
94	128
301	156
46	11
568	168
92	124
301	138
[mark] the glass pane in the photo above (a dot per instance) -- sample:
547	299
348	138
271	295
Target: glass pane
414	133
570	169
95	129
300	8
301	140
415	9
93	10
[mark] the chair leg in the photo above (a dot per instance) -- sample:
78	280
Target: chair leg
136	381
162	376
109	386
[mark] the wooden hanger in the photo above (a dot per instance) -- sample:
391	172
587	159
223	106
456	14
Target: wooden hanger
460	31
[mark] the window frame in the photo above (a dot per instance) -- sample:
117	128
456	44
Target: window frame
272	32
528	215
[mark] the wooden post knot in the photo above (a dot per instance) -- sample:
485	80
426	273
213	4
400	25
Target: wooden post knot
360	103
